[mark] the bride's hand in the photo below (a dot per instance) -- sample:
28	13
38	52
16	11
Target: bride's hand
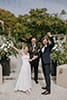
30	60
12	45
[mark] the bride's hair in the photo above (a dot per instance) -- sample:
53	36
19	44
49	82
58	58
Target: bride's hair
24	46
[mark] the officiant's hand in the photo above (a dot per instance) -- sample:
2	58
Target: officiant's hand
34	57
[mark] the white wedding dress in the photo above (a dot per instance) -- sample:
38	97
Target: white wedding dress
24	79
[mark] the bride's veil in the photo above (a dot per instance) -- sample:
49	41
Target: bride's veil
18	64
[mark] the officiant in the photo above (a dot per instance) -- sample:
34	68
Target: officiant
34	51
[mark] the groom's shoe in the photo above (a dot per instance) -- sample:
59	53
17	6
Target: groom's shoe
45	92
36	81
44	88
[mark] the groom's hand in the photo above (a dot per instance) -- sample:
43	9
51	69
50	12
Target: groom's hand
49	34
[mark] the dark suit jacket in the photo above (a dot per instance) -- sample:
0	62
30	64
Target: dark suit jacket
35	52
45	56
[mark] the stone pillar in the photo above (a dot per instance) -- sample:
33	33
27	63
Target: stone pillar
61	78
0	74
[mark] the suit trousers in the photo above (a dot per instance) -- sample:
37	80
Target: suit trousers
34	66
46	72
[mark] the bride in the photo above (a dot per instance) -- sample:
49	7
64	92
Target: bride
24	79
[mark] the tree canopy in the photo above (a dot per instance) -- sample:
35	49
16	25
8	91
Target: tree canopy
36	23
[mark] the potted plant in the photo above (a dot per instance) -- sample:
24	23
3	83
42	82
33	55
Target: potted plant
57	55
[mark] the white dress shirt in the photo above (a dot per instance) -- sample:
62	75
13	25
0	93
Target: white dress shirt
43	48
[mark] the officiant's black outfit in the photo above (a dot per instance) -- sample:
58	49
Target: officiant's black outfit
33	50
45	58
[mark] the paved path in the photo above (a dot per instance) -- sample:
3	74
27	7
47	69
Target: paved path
7	92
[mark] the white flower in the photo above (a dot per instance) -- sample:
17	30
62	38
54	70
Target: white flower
8	47
5	49
3	46
7	42
55	47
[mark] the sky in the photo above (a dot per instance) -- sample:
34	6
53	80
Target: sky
23	6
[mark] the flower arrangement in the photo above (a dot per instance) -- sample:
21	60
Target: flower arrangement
5	48
58	51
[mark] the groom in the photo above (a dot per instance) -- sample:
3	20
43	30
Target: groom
45	57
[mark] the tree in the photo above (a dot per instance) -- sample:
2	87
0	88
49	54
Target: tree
63	12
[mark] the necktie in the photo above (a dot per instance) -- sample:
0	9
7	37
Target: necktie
43	49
